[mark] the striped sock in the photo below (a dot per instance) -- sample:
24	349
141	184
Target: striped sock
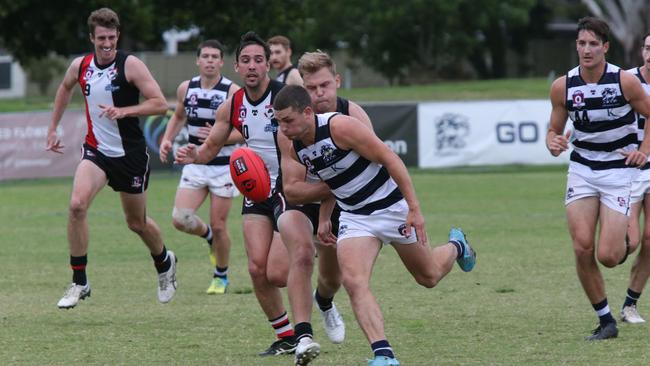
220	272
282	326
631	298
161	261
208	235
78	265
604	314
382	348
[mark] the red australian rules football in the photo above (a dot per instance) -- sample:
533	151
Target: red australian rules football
249	174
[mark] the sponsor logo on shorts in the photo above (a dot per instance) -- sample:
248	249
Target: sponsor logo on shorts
89	153
622	201
136	182
343	229
569	192
248	203
402	230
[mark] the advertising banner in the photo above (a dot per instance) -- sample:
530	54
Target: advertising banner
397	126
484	133
23	139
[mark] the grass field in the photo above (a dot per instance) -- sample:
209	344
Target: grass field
536	88
522	305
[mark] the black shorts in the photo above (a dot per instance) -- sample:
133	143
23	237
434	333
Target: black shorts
129	173
311	210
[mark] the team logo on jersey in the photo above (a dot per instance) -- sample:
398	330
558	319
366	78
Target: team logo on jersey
242	113
111	88
569	192
451	131
215	101
89	73
112	73
609	96
193	99
136	182
268	111
578	99
271	127
327	151
254	112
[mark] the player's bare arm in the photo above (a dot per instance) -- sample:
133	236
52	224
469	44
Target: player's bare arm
138	74
556	140
296	189
294	78
357	112
61	101
348	133
218	136
640	101
176	122
325	235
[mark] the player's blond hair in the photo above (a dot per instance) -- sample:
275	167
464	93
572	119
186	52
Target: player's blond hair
311	62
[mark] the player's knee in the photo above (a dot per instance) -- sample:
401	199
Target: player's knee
354	284
277	277
608	260
583	251
184	219
219	229
78	208
428	281
303	257
137	226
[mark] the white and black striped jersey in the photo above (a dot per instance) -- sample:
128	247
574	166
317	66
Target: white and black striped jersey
107	85
255	120
359	185
641	119
604	122
200	108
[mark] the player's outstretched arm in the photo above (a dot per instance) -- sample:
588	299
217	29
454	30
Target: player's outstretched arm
218	136
175	123
61	101
325	235
296	189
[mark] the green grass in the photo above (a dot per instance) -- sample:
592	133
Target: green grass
522	305
484	89
537	88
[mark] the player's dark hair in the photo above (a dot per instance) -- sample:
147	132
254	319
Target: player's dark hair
294	96
645	36
250	38
103	17
596	25
210	43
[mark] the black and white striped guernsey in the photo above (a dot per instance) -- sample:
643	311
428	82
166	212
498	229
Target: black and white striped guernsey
359	185
641	119
604	123
200	108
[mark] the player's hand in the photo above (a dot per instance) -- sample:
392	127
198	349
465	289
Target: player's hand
415	220
53	143
186	154
325	235
111	112
165	147
559	143
203	132
635	157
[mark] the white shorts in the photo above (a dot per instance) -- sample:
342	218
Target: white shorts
640	186
214	177
613	195
387	225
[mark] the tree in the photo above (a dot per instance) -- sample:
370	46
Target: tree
628	21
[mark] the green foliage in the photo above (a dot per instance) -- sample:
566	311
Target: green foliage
522	305
44	70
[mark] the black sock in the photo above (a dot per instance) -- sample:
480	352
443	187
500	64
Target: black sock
604	315
460	248
303	330
208	235
382	348
631	297
324	304
78	265
162	261
220	272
